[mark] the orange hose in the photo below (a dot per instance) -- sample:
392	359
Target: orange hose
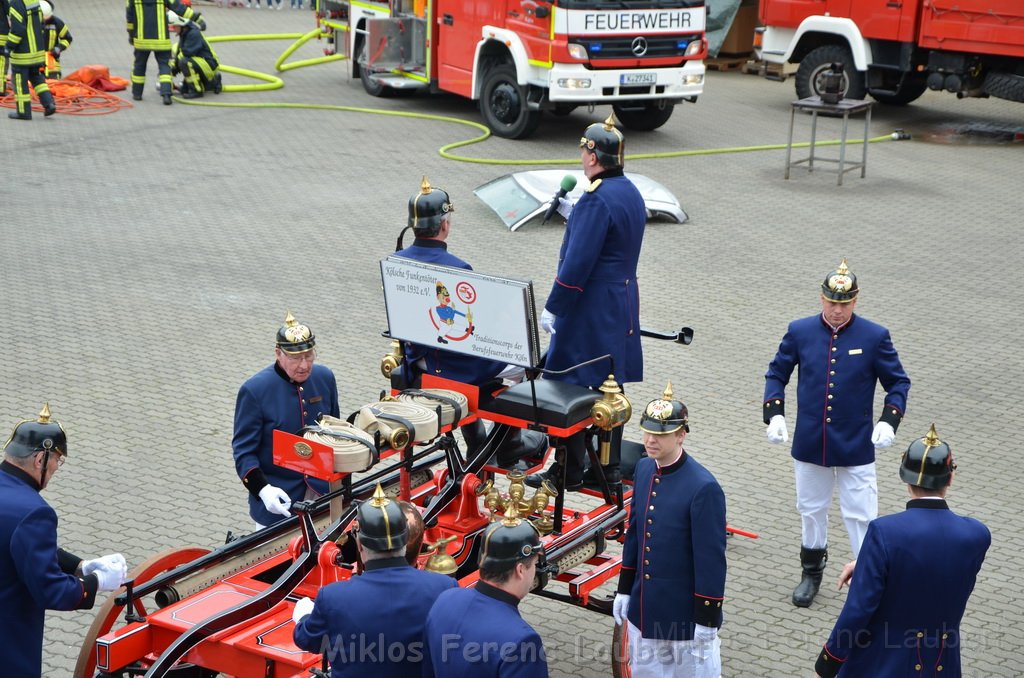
73	98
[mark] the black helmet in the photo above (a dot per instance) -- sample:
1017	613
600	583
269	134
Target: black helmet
294	337
840	285
426	209
664	415
40	435
508	541
928	462
382	523
607	142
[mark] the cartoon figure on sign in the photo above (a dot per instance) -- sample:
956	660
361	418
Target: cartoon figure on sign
444	314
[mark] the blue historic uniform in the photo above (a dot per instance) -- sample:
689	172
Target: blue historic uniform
270	400
914	575
373	623
836	388
595	297
478	633
34	574
673	560
446	364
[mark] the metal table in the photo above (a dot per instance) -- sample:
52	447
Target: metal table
845	108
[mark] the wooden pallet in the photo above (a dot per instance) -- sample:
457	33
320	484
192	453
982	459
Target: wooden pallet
725	63
772	71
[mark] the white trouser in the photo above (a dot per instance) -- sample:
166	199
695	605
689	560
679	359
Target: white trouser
651	658
858	501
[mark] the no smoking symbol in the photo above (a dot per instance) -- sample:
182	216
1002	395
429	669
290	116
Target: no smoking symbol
465	292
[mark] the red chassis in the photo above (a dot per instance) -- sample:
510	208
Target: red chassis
195	613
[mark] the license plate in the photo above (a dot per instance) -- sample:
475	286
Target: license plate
638	79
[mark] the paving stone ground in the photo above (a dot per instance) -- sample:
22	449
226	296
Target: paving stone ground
148	257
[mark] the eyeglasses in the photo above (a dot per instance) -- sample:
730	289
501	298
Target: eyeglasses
304	357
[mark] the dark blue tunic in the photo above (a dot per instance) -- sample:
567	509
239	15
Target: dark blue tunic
270	400
372	625
446	364
914	575
595	295
673	560
836	388
34	576
478	633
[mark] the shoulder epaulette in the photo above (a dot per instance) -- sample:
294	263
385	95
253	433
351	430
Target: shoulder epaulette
593	185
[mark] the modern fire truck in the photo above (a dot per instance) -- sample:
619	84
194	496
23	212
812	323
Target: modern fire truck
896	49
518	58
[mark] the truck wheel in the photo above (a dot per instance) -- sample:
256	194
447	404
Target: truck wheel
814	65
372	86
649	115
911	90
503	105
1005	86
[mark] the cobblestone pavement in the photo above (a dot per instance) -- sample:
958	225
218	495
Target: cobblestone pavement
149	256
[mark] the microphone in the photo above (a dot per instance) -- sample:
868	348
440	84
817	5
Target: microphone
568	183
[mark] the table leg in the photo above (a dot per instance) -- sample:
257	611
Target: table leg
864	154
814	136
842	146
789	143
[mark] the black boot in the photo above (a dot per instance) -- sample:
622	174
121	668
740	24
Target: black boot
813	563
49	105
18	116
474	434
521	443
167	99
218	85
575	448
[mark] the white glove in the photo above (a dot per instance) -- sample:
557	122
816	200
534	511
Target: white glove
703	642
883	435
547	321
276	500
777	431
565	207
303	608
620	607
110	571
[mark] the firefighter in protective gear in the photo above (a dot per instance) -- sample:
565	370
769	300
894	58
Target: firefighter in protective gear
193	58
58	39
148	34
26	45
5	27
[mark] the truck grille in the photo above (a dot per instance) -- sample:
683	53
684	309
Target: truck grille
657	46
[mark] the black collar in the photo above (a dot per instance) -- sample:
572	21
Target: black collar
608	174
492	591
674	466
397	561
429	242
922	502
19	473
846	325
284	375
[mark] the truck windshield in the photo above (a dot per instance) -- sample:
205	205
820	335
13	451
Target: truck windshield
627	4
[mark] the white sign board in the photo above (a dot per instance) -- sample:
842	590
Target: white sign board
461	311
629	21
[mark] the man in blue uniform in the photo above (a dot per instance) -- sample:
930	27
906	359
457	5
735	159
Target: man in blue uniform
430	219
146	21
478	632
26	45
35	575
373	623
841	356
288	395
910	585
672	582
194	58
57	41
593	308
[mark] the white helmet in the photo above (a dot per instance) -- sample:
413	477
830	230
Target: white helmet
46	8
172	18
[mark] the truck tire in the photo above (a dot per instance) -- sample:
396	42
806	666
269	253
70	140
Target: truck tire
911	90
373	87
1005	86
808	76
503	104
644	118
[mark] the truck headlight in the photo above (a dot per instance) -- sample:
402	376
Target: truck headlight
693	79
577	51
694	48
574	83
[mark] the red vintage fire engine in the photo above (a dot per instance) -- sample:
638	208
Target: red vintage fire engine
895	50
518	58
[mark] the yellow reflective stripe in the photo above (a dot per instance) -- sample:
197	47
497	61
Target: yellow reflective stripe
542	64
